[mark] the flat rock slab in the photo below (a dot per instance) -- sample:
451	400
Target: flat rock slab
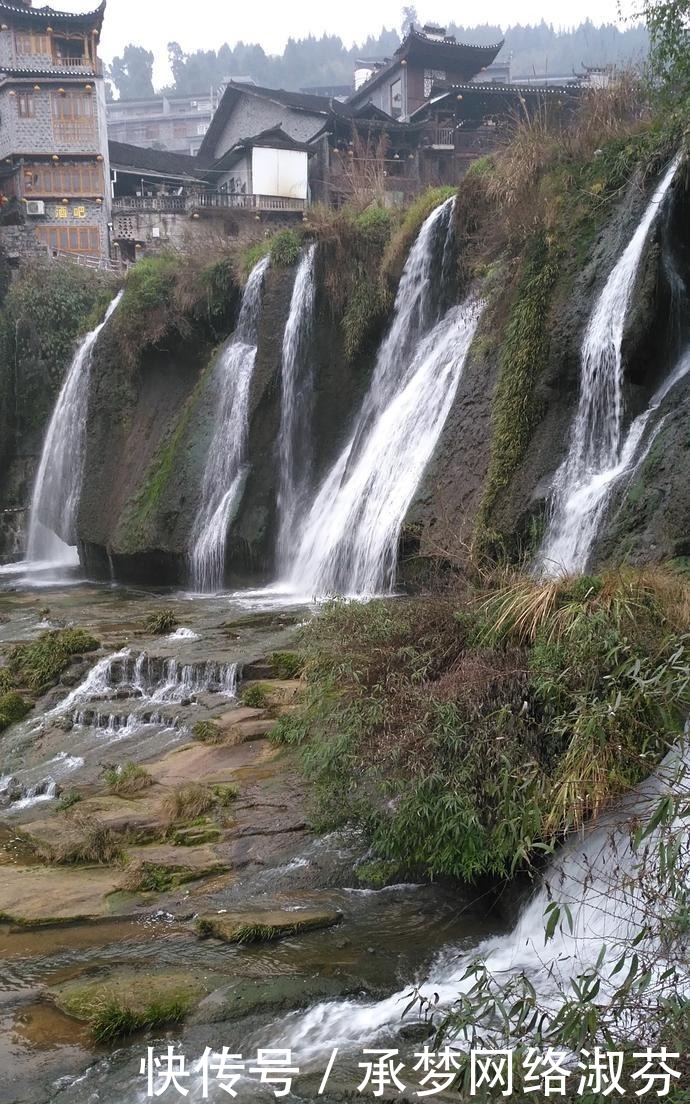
207	762
183	863
249	996
139	820
39	894
264	926
135	992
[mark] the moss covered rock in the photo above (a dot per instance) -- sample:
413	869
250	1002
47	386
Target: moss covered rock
265	926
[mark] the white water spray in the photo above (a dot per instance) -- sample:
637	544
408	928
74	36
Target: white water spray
348	541
226	472
55	498
605	882
297	396
595	453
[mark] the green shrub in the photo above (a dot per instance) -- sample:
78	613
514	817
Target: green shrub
255	696
467	736
39	663
162	622
207	733
285	248
127	779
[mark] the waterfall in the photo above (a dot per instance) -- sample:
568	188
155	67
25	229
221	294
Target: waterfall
348	540
226	471
296	404
581	484
55	498
607	885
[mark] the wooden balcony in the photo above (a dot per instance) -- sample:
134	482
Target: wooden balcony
204	201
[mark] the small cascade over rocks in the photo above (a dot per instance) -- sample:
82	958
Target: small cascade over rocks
596	457
295	454
226	465
605	882
347	542
145	685
57	487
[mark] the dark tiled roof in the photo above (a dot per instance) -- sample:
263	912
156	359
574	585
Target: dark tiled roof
125	156
475	57
41	14
56	73
297	101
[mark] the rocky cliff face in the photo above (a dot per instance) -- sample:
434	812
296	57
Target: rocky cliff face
149	434
151	417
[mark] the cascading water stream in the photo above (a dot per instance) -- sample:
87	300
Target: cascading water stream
55	499
226	472
296	404
348	541
605	882
595	454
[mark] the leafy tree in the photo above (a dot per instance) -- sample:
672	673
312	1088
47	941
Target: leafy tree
132	74
669	31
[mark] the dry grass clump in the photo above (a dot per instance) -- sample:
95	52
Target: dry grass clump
523	608
188	801
88	842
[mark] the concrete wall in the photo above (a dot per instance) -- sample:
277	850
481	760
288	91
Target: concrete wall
251	115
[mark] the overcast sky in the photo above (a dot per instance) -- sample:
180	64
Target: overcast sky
209	23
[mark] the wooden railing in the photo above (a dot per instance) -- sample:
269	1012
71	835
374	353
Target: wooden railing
442	136
245	202
195	201
169	203
85	260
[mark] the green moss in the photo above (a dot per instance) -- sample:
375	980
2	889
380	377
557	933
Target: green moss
39	663
251	256
12	708
141	510
523	357
117	1008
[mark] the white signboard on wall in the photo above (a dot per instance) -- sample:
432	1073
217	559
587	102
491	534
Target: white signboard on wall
279	172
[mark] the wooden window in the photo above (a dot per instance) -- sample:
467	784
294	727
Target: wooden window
74	116
70	239
396	98
26	105
28	42
73	105
63	180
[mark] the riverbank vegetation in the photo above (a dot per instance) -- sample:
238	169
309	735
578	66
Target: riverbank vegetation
470	731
